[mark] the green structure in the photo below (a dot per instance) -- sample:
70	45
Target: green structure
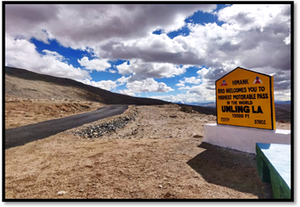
274	166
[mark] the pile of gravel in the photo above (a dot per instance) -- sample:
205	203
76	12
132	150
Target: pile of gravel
95	131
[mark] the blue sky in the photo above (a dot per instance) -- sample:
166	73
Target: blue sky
168	52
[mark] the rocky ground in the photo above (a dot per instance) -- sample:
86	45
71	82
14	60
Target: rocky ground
149	152
98	130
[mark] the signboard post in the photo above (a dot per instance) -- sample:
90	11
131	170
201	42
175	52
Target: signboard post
246	98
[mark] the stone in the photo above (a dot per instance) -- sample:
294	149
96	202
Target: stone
61	192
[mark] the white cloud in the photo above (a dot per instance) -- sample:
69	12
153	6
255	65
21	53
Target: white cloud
287	40
202	73
142	70
154	48
109	84
125	68
22	54
148	85
54	54
94	64
195	94
157	43
190	80
185	98
249	16
127	92
185	88
181	83
104	84
282	95
112	71
122	80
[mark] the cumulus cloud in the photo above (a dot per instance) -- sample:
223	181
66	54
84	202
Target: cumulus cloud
148	85
142	70
84	25
143	86
190	80
104	84
21	53
195	94
94	64
127	92
153	48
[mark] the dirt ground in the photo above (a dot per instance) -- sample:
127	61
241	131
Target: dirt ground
160	155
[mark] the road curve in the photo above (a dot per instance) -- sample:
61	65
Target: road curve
25	134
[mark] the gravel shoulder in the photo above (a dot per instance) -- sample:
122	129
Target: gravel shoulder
158	154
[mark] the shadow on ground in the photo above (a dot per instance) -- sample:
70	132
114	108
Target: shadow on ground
230	168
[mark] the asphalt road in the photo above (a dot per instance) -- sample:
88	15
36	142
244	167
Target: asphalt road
25	134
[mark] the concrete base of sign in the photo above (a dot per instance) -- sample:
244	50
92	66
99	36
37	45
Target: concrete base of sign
243	138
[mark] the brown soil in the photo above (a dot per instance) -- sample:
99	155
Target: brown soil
160	155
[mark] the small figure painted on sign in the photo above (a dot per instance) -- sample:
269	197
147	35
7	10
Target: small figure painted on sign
224	83
257	80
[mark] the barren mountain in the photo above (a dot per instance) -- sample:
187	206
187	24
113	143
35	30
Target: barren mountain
26	84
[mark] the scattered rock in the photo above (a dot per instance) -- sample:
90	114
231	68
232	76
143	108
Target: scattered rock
169	196
173	116
198	136
160	186
134	132
61	192
187	109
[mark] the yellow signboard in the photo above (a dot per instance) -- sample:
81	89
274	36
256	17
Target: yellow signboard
246	98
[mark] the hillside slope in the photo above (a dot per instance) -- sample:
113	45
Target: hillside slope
23	83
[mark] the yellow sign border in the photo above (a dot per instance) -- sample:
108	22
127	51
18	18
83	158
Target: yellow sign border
271	92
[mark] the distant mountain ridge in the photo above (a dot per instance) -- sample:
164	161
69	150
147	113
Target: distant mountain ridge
24	83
